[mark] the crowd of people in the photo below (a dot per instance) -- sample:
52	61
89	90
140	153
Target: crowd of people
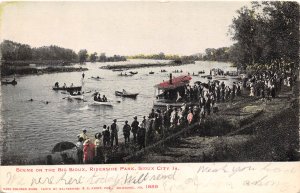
200	100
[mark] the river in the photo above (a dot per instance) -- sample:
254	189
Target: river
31	129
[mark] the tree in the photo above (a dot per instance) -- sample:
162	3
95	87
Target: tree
266	33
93	57
82	54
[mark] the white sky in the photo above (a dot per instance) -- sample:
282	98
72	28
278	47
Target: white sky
124	28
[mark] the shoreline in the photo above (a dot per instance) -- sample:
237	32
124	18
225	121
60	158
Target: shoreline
144	65
8	71
244	130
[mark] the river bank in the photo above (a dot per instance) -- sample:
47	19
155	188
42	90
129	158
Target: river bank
249	129
146	65
8	71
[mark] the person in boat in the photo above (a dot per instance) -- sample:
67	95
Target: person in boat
134	126
65	85
95	98
114	133
71	85
126	132
56	85
104	99
99	98
124	91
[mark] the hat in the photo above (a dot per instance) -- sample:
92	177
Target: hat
104	126
84	130
126	121
115	120
135	117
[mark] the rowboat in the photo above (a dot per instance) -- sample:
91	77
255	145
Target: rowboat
125	74
74	88
96	78
13	82
98	103
78	97
131	72
126	94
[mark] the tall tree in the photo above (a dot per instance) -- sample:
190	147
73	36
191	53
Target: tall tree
93	57
82	54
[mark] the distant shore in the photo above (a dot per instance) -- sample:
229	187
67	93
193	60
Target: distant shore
8	71
145	65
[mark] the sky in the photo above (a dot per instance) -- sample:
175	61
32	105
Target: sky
124	28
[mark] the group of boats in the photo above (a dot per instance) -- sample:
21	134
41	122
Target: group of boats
75	92
12	82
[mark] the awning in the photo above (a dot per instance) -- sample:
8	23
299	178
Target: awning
176	82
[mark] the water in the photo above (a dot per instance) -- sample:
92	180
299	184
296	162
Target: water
31	129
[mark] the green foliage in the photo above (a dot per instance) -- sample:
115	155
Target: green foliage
266	33
82	55
115	58
12	51
93	57
219	54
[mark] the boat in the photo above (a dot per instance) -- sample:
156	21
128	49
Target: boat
167	91
201	72
131	72
13	82
96	78
151	72
126	94
69	89
98	103
125	74
76	96
207	76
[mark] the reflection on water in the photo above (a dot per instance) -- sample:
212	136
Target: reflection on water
31	129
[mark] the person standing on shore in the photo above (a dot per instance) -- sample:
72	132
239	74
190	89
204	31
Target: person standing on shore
126	132
114	133
106	136
134	129
88	152
98	148
79	147
83	135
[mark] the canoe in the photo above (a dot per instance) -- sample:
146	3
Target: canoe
96	78
108	103
13	82
133	72
129	95
78	97
74	88
125	74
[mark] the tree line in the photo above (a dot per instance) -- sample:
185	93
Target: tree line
266	34
13	51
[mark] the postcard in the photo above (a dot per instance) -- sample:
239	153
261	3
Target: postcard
149	96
